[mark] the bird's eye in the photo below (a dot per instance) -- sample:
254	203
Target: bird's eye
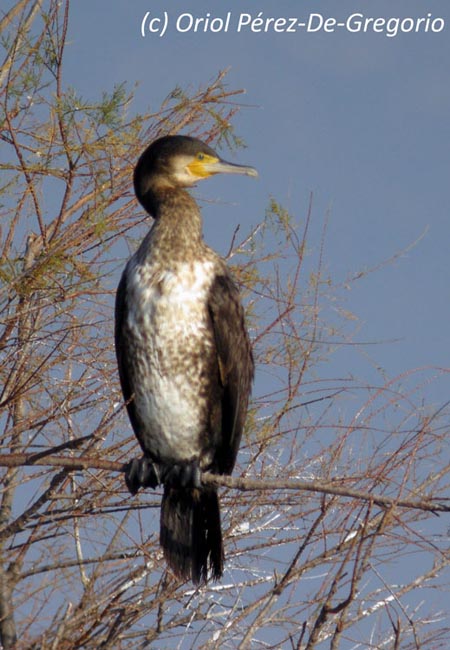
200	156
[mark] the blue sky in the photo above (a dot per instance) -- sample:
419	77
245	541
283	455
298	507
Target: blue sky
359	119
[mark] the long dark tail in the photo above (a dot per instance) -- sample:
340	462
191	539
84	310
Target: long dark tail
191	536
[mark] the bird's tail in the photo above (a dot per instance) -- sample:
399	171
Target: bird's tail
191	535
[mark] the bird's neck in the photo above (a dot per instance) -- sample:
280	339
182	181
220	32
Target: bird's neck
177	231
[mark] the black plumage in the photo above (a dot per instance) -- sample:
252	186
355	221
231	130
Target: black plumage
184	356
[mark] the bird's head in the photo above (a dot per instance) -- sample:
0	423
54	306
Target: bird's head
179	161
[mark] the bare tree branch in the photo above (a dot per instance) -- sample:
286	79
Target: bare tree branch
233	482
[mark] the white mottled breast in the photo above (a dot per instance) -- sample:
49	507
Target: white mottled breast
169	327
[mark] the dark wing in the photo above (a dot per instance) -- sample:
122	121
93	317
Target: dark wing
235	368
124	351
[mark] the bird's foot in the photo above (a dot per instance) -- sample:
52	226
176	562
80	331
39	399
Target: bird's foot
142	472
183	475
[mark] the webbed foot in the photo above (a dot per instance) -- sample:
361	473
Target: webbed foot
183	475
141	472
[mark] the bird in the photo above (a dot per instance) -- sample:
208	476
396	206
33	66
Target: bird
184	355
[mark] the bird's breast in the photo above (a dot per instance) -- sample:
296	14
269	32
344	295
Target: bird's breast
174	349
169	300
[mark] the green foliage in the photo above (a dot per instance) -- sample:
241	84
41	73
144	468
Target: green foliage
110	112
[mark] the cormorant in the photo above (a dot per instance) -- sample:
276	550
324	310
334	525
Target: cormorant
184	355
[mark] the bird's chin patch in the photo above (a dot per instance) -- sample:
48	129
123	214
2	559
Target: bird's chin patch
186	172
187	179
